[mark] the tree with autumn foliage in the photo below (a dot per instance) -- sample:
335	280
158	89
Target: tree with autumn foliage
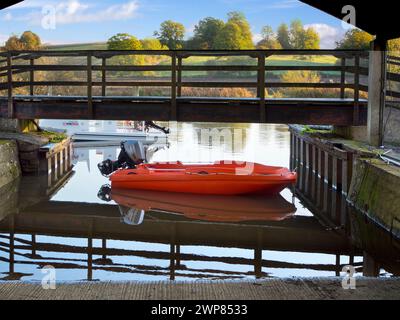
27	41
355	39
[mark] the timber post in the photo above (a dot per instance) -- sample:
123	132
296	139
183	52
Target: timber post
376	91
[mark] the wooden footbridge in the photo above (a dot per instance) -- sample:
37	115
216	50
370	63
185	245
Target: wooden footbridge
100	85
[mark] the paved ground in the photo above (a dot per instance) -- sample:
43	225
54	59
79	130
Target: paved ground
270	289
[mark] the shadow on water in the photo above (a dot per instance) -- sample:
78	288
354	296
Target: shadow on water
137	235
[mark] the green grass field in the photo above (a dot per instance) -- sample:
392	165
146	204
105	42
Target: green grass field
79	46
276	60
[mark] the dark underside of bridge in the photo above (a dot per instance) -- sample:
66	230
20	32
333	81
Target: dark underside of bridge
189	109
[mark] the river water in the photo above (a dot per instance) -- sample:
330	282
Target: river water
147	237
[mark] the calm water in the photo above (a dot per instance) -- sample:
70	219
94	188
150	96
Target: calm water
150	236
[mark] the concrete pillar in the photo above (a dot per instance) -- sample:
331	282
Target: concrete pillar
376	92
10	125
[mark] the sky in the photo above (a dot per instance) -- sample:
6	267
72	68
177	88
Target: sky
83	21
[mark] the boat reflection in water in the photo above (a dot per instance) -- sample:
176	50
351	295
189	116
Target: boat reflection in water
62	223
177	236
133	205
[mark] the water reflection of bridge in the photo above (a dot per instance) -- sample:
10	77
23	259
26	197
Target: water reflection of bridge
96	221
30	215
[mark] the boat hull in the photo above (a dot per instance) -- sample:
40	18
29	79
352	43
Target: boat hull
216	179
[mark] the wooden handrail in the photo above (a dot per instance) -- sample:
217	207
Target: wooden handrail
44	67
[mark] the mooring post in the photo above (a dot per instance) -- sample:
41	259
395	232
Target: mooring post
308	168
90	251
258	255
12	243
314	172
33	241
326	182
292	151
66	158
320	177
172	253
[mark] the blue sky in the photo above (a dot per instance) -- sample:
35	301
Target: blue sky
79	21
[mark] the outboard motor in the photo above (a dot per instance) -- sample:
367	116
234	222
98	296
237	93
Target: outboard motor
132	154
151	124
104	193
131	216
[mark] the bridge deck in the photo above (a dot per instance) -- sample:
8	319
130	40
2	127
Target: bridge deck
192	109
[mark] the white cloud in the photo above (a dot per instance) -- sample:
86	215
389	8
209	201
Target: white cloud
257	37
73	11
29	4
8	16
3	39
329	35
285	4
190	30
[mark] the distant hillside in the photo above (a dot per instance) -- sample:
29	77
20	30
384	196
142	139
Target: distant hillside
79	46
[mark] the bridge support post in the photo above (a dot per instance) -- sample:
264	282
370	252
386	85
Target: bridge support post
173	111
376	91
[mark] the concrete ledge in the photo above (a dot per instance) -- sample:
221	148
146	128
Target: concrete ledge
9	162
375	190
275	289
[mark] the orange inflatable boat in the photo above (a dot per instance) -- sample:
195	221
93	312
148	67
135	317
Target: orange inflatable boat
219	178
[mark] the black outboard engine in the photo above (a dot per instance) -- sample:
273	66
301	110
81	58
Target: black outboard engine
132	153
151	124
104	193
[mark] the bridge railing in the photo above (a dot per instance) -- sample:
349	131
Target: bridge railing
22	72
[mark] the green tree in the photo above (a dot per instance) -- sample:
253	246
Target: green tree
298	37
123	41
269	40
283	36
297	34
171	34
205	33
152	44
311	39
30	40
236	33
13	43
394	46
355	39
229	38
